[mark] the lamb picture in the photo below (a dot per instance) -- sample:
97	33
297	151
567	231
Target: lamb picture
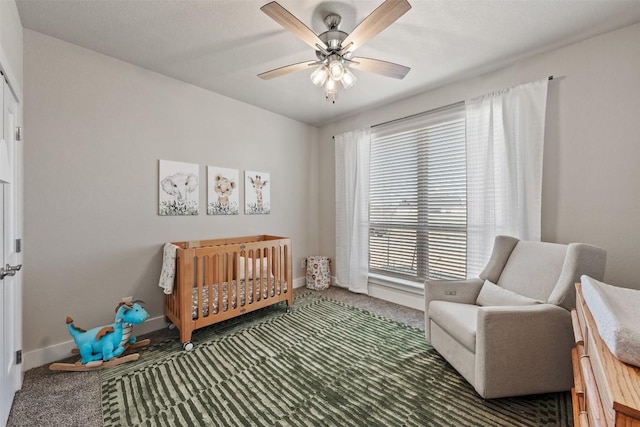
222	191
178	188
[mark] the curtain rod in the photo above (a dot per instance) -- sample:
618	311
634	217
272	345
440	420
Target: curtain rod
434	110
455	104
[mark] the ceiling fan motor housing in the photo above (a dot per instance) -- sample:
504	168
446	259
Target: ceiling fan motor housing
333	38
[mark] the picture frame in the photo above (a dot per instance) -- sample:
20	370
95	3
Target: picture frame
223	192
178	188
257	193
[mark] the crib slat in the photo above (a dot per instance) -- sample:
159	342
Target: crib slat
199	283
220	283
233	296
208	286
257	270
243	271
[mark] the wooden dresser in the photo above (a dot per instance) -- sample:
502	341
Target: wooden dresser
606	391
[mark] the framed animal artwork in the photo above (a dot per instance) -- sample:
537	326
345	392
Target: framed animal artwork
222	191
178	188
257	193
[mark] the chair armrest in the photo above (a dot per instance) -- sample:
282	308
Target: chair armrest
461	291
528	344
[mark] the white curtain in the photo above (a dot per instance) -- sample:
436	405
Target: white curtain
505	138
352	209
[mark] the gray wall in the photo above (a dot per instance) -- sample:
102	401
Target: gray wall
95	129
591	184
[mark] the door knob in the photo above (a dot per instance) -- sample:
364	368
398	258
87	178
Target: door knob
9	270
13	267
4	273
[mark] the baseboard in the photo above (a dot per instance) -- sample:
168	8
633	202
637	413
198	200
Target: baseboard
299	282
397	296
55	352
52	353
392	294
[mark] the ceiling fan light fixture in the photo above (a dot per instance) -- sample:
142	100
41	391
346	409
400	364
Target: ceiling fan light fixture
320	75
331	96
331	86
348	79
336	69
331	90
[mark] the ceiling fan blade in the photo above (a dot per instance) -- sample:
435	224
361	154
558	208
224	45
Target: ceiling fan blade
386	14
384	68
287	69
283	17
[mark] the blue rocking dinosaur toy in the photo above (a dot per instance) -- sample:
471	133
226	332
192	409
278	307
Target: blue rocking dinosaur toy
105	343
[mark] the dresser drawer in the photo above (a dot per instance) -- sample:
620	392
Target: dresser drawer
593	404
578	389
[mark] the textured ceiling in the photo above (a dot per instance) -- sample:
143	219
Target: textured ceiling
221	45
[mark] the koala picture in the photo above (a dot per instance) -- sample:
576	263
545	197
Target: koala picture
222	193
179	189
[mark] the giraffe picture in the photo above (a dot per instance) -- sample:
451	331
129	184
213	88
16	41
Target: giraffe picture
257	193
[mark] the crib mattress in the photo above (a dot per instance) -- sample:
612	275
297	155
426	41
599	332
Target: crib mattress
238	291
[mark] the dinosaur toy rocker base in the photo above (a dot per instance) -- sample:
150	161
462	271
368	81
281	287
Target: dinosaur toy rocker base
102	347
92	366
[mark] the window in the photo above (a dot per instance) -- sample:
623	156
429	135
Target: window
417	211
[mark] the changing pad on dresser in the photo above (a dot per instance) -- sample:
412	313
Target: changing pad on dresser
615	312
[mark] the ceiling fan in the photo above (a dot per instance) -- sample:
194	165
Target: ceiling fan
334	48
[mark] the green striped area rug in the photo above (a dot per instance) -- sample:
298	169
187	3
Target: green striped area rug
326	364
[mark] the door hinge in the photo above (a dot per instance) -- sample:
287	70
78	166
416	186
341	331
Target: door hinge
18	133
18	245
18	357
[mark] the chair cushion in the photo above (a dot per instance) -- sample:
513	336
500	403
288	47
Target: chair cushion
533	269
492	294
458	320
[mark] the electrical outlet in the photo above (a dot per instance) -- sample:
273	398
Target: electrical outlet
303	263
127	299
449	292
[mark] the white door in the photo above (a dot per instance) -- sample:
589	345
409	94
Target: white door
10	256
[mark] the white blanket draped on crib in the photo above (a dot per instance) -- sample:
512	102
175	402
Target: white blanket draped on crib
168	272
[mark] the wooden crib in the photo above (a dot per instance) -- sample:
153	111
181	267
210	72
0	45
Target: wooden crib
219	279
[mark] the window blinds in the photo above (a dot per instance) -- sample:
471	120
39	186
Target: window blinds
417	209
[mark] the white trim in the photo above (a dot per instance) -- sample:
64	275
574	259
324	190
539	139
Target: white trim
410	295
55	352
52	353
396	295
397	283
300	282
9	75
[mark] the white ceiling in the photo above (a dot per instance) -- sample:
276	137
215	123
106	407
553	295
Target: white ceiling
221	45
